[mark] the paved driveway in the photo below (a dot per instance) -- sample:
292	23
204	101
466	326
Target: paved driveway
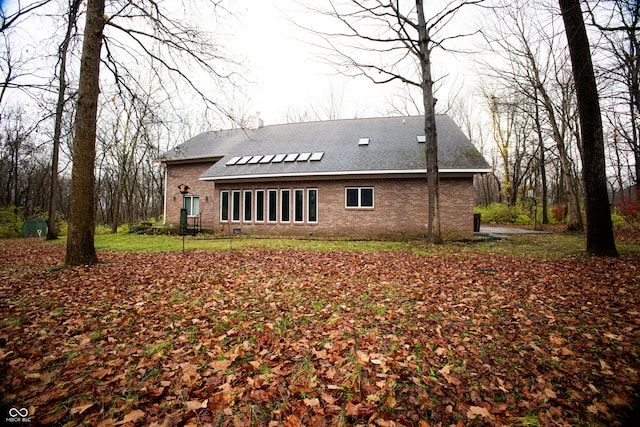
505	231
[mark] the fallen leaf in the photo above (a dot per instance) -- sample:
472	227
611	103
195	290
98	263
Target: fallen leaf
80	409
312	402
452	380
194	405
475	411
446	369
132	417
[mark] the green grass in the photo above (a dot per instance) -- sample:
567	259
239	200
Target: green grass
540	246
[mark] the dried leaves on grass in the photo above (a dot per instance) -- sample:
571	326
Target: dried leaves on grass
270	337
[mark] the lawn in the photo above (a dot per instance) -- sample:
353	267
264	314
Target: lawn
526	331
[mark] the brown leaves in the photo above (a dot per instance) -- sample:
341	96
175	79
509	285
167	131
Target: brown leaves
317	338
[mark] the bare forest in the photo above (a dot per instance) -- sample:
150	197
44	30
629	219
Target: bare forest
165	77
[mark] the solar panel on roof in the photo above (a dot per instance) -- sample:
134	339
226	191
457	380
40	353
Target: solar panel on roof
278	158
255	159
244	160
316	156
303	157
267	158
291	157
233	161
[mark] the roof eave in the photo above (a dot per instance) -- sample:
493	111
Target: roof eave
405	173
193	160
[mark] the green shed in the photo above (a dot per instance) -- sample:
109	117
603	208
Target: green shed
35	227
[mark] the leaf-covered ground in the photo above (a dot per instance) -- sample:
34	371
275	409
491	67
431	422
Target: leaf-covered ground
289	337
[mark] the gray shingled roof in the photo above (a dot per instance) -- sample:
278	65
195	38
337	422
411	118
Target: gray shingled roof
392	148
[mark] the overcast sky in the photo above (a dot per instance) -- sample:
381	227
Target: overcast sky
288	74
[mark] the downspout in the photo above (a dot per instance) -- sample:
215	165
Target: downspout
164	201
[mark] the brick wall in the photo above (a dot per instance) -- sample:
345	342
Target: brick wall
400	205
188	174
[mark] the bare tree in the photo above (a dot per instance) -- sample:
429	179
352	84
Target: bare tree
600	240
534	66
8	20
393	42
80	240
63	52
619	22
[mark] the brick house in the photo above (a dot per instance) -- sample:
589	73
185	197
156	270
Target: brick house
360	177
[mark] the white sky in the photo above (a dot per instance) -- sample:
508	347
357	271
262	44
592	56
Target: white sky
287	73
290	76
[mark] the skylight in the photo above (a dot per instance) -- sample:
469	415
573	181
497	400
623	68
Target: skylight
244	160
275	158
421	138
363	141
303	157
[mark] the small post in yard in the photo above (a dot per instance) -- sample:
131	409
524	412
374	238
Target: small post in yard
184	190
535	209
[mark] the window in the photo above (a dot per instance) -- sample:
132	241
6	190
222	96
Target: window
273	206
247	205
298	205
224	206
312	205
359	197
192	205
285	205
260	205
235	205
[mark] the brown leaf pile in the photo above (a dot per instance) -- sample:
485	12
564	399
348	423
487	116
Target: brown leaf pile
287	337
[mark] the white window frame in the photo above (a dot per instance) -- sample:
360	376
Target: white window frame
309	220
276	206
246	210
258	193
288	207
224	193
295	205
235	193
359	206
191	199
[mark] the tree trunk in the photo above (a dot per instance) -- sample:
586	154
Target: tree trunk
82	215
543	163
600	240
74	5
430	132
